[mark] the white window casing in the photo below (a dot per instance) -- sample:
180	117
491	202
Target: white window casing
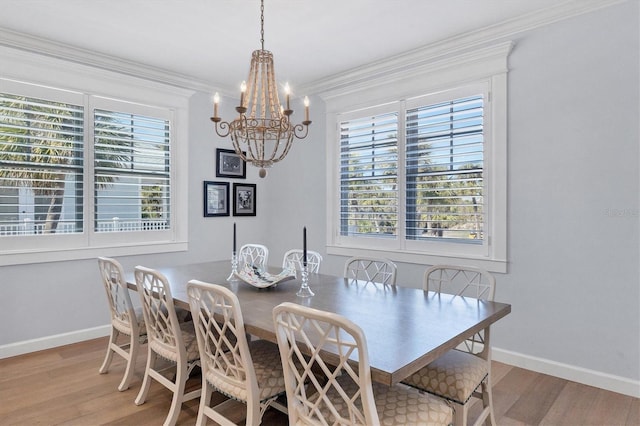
148	105
483	73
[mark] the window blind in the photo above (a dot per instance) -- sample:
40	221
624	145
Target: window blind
41	166
444	168
368	176
132	172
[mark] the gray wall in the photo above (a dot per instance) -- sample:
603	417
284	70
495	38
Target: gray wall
573	277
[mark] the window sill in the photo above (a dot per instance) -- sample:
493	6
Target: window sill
491	265
23	257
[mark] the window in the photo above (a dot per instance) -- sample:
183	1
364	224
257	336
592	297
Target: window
369	176
132	179
41	166
444	170
81	172
418	170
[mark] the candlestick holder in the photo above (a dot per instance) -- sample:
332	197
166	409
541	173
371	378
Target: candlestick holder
304	291
234	268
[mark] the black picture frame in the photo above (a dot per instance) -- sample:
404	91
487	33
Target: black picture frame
216	198
244	199
229	164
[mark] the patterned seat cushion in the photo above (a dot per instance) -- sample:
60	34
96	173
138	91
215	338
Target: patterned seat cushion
453	376
191	343
267	366
123	326
395	405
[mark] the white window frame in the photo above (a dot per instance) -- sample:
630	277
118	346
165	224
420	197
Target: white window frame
482	68
54	79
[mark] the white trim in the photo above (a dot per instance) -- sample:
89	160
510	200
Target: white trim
585	376
486	65
453	46
419	258
472	39
41	46
40	255
48	342
37	73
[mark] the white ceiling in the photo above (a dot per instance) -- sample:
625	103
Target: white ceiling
211	40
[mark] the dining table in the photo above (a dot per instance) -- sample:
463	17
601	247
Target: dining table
406	328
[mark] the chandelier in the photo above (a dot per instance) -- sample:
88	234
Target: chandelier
262	133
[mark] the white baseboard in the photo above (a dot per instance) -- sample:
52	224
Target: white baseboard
585	376
19	348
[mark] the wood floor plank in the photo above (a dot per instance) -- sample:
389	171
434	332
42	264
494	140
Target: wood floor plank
536	400
634	413
572	404
609	408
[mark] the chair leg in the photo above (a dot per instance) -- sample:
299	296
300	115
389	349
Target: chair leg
205	398
134	345
254	416
178	396
146	382
459	414
487	399
109	356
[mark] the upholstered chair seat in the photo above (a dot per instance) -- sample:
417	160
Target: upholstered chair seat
454	376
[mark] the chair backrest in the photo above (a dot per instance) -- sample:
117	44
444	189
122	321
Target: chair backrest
123	315
344	394
224	351
293	258
464	281
253	254
461	281
163	328
371	269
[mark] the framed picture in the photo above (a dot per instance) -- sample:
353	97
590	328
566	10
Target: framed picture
229	164
216	198
244	199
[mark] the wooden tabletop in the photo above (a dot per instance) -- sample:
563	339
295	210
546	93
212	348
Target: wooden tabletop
405	328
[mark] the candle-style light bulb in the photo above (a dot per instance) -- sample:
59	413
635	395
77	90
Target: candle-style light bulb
287	92
216	101
306	108
243	89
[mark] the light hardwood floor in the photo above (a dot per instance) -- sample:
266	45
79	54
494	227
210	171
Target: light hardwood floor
62	386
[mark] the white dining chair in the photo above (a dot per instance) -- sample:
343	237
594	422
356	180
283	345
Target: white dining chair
376	270
168	338
465	372
125	320
328	378
253	254
246	371
294	259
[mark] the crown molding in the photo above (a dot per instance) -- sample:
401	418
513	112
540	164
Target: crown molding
28	43
389	66
458	45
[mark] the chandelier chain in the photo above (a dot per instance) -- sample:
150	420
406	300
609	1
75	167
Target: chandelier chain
262	23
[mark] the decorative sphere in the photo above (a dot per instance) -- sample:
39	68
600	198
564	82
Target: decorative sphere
262	173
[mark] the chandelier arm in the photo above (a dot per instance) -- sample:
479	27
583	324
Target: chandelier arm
221	126
298	129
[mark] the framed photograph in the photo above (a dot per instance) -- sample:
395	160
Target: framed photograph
244	199
216	199
229	164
